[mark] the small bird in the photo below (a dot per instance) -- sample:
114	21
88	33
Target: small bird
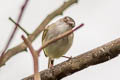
60	47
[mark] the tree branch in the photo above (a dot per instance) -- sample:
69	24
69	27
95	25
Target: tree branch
15	29
96	56
22	47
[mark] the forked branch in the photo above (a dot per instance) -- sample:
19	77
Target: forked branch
35	58
22	47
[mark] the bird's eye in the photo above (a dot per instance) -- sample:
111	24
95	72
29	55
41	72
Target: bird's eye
66	19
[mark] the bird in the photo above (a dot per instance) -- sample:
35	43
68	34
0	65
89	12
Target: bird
60	47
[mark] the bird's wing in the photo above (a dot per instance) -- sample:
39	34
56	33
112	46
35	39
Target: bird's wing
45	32
43	37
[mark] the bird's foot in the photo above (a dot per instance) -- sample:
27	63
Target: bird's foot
67	57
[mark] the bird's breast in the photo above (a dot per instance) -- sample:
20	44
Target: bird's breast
60	47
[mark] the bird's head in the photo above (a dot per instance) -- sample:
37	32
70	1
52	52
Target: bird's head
69	21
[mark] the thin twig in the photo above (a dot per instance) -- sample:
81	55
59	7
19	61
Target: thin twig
19	26
15	29
35	58
59	37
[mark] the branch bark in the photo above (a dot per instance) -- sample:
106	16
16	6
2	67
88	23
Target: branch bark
96	56
22	47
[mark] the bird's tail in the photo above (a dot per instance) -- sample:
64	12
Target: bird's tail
50	63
